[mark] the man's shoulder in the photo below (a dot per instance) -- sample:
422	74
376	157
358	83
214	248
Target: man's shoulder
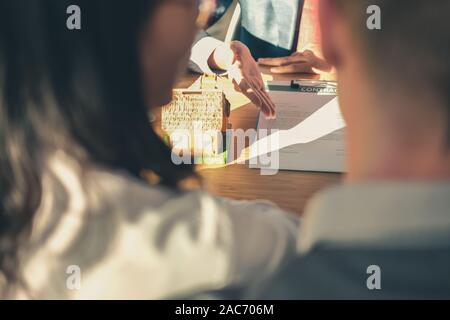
364	273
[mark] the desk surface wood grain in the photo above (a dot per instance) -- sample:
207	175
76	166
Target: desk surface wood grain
290	190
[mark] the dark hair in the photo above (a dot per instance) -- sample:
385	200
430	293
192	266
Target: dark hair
412	49
79	91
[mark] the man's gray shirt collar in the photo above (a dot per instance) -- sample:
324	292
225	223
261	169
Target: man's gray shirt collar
398	215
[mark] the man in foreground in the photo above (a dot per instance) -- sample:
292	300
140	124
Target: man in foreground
386	232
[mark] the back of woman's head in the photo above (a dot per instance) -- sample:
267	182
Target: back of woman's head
79	91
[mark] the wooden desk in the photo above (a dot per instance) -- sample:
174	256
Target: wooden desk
288	189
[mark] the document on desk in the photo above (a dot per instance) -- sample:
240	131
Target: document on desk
309	128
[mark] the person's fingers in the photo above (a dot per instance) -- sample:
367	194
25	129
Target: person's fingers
269	103
322	67
253	95
297	53
278	62
257	99
236	86
266	103
263	105
293	68
318	64
265	99
247	79
256	83
273	62
261	82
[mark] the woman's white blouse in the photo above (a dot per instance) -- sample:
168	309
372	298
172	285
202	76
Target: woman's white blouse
101	234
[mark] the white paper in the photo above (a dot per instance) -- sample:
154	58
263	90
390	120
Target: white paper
310	134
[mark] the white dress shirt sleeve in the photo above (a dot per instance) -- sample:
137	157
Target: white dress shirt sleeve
263	238
201	51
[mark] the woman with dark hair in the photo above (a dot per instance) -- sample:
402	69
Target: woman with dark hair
77	218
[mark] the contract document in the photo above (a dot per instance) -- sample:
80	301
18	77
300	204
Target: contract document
308	132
